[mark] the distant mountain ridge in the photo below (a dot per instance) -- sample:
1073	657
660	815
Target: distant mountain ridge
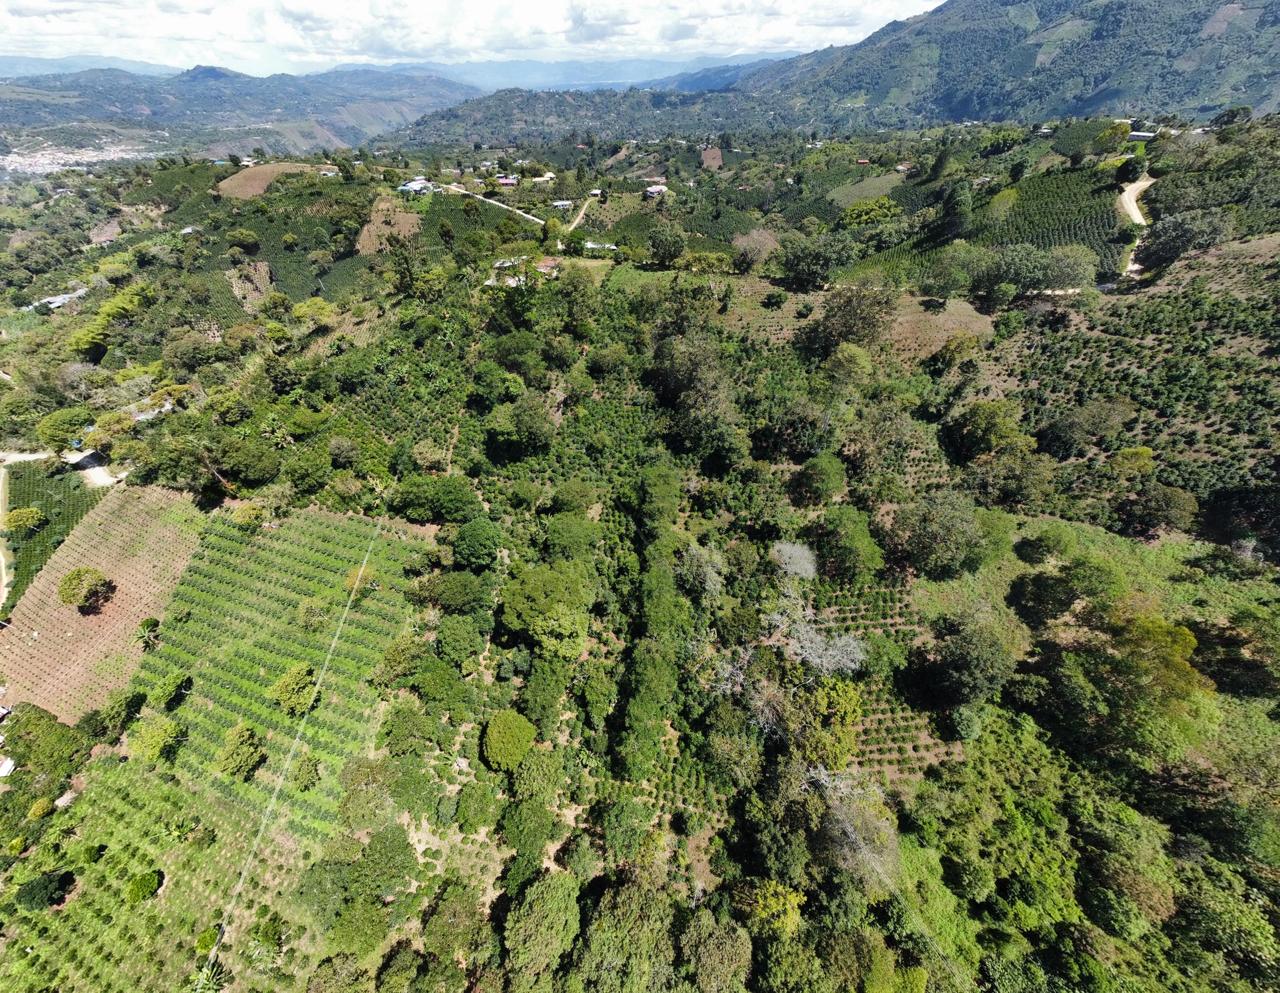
980	59
30	65
303	112
574	74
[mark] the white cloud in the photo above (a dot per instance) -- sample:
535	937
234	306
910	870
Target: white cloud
291	35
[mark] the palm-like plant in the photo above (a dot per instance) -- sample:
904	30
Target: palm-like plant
148	634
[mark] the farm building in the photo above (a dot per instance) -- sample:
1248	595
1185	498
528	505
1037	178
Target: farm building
1141	135
7	766
594	193
562	204
654	191
508	181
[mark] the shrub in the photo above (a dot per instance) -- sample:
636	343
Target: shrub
23	520
155	738
40	808
45	890
143	886
446	499
507	738
295	691
85	588
477	543
819	479
242	753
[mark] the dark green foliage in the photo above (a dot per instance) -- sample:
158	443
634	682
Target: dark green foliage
846	550
242	753
974	661
44	890
477	543
939	534
436	498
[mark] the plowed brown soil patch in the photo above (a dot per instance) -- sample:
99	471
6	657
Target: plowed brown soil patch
253	182
67	662
388	217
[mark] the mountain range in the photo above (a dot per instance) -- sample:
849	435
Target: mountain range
293	113
988	59
530	74
965	59
30	65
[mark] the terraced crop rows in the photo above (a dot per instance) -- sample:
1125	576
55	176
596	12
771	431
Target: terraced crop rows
233	626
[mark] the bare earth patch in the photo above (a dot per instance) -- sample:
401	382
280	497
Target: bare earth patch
918	332
67	662
253	182
388	218
107	231
712	158
250	282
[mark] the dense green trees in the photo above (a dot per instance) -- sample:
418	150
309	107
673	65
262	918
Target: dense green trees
507	737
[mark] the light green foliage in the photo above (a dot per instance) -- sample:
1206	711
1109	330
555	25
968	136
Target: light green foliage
295	690
142	886
84	587
154	738
549	606
23	520
507	738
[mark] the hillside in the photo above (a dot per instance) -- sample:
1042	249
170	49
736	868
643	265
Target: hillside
821	575
966	59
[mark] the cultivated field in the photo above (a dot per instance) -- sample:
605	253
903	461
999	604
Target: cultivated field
388	218
253	182
233	626
67	662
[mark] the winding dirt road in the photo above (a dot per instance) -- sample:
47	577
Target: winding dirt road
1129	200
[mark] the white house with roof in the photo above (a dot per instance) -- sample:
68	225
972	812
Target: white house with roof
7	765
654	191
562	204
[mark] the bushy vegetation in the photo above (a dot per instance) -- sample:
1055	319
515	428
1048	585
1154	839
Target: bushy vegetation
712	614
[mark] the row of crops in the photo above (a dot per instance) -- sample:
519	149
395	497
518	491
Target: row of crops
62	498
1076	207
234	626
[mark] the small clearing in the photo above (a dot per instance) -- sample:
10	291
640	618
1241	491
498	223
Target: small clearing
250	282
919	330
712	158
67	662
387	218
253	181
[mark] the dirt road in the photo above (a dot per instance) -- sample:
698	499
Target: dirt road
497	203
1129	200
582	212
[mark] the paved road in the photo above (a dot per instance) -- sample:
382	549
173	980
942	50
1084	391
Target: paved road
1129	200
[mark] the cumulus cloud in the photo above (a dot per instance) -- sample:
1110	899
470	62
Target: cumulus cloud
300	35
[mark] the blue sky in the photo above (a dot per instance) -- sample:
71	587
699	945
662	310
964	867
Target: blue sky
262	36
